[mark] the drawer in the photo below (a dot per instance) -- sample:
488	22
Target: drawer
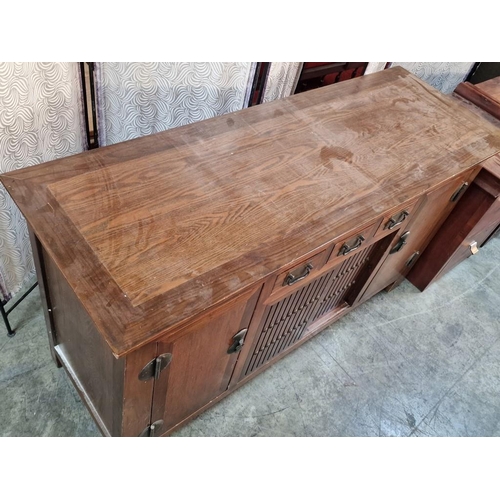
353	243
398	218
294	277
472	243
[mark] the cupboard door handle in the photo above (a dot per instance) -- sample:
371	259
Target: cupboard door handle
412	259
291	278
459	191
396	220
345	249
238	341
401	243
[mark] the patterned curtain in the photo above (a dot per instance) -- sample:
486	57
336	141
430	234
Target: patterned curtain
373	67
444	76
41	119
137	99
282	80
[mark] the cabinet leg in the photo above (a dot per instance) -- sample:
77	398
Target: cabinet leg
53	353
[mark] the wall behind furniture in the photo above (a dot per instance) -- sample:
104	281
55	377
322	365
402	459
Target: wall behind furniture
444	76
137	99
281	80
41	119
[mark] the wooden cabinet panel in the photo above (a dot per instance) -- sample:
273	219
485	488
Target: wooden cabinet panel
284	322
201	366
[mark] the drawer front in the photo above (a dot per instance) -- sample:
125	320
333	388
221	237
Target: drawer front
355	242
397	219
296	276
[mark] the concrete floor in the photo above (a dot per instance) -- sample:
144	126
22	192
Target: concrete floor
404	364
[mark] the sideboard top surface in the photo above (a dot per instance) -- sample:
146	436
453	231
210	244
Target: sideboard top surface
152	231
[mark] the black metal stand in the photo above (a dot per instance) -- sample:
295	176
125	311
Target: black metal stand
5	314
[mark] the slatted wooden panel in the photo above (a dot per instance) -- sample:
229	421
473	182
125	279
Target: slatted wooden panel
344	278
286	320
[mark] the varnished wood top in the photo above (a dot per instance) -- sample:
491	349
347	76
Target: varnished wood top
153	231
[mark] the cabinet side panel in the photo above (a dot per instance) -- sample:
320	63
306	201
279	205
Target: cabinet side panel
37	251
96	372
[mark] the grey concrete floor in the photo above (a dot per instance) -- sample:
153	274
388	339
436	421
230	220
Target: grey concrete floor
404	364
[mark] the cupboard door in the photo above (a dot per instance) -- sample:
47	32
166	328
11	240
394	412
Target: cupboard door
202	362
413	238
286	321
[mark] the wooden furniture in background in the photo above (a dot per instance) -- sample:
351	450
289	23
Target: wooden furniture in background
485	95
318	74
483	71
177	266
476	218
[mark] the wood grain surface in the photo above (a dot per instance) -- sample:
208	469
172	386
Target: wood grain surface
153	232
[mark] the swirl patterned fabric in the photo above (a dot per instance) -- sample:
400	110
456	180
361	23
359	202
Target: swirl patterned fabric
41	119
282	80
444	76
373	67
137	99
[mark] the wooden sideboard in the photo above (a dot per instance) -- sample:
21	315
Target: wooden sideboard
177	266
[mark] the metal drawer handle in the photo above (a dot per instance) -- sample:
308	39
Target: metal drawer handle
345	249
291	278
396	220
473	248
